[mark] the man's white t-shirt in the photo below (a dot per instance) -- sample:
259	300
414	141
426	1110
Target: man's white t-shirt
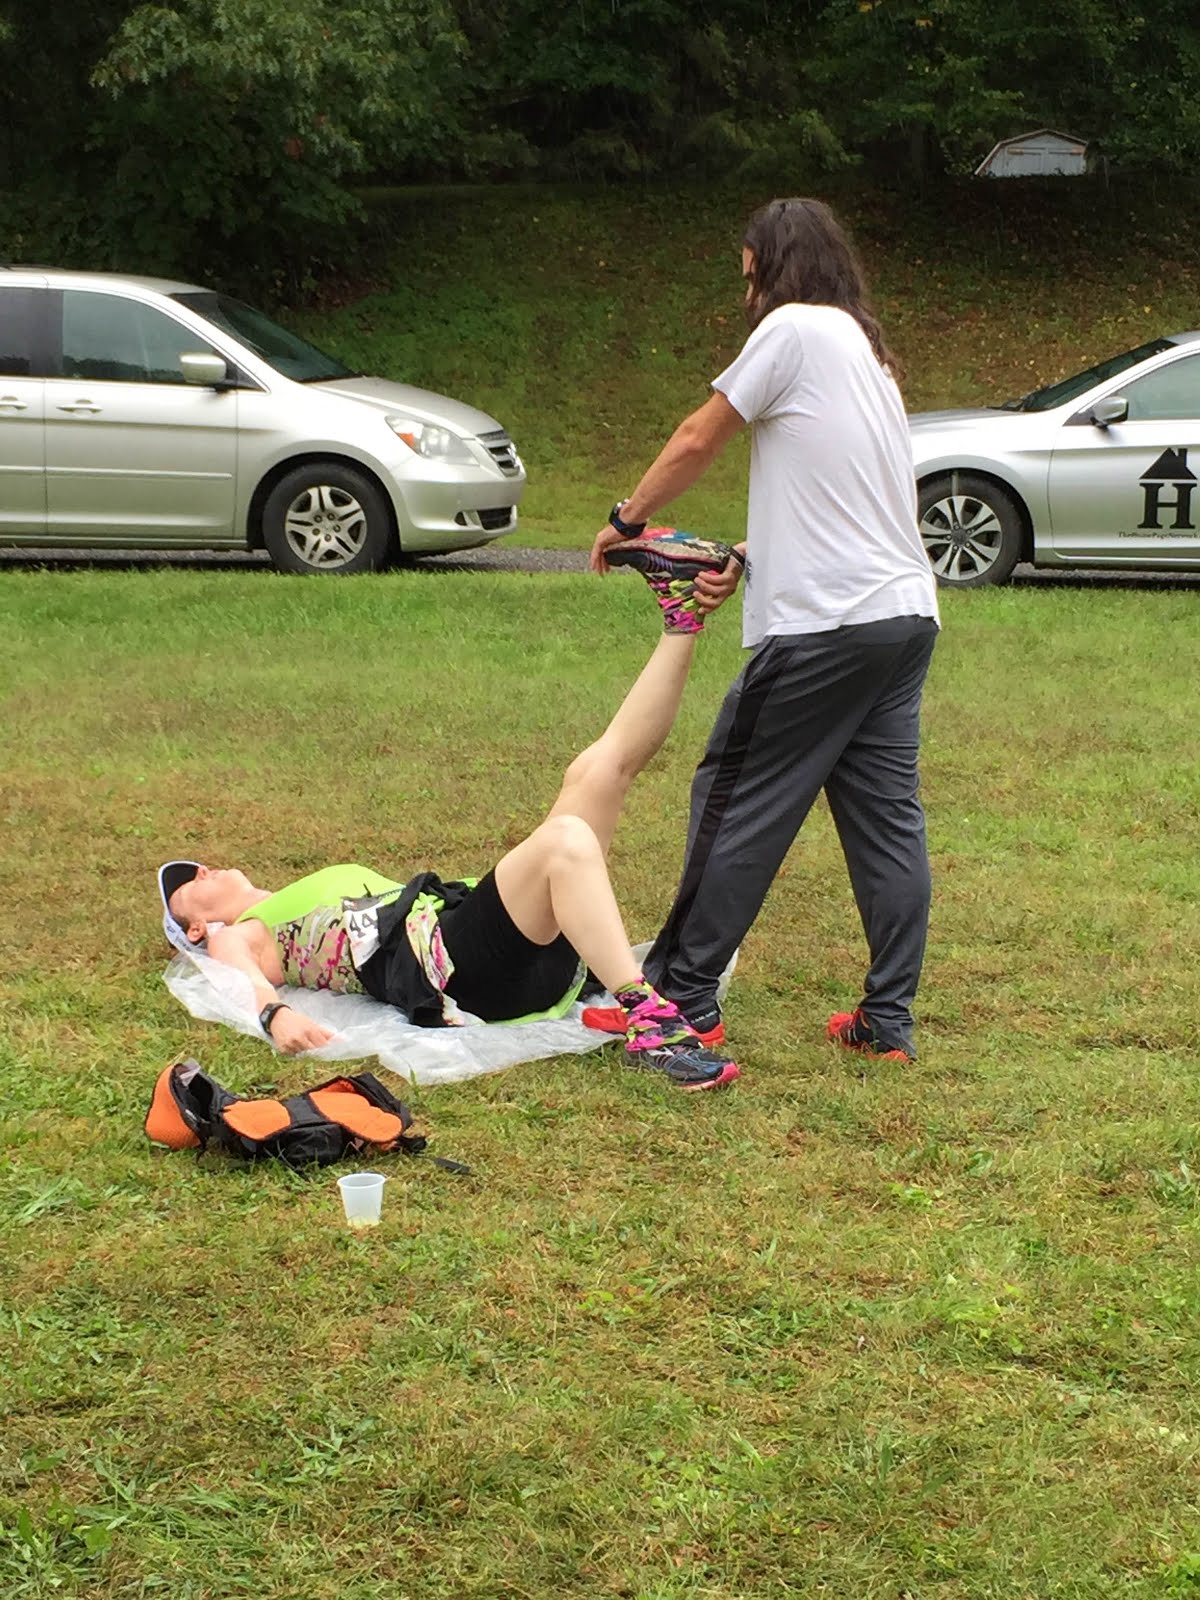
832	524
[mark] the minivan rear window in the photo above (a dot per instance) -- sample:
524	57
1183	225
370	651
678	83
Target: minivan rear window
287	352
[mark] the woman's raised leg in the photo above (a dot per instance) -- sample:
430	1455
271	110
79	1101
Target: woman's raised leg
556	881
594	786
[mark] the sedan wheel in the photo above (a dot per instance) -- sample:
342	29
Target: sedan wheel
971	529
326	518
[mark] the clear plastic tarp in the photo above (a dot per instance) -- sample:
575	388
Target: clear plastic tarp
365	1028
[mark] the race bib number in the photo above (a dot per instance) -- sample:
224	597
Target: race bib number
360	918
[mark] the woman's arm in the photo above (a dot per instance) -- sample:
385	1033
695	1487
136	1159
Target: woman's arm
291	1030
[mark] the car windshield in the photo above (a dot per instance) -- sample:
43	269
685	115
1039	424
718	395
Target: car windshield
1061	394
294	357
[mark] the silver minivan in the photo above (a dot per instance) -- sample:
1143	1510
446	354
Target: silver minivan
143	413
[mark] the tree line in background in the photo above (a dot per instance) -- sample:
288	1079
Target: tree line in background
194	131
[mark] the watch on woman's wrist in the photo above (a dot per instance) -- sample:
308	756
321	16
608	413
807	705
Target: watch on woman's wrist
627	530
267	1015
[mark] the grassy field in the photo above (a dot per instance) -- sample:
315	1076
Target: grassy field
589	322
854	1334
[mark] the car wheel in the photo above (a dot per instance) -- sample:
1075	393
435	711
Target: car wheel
971	528
324	517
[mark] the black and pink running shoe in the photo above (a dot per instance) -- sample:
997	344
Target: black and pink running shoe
657	1039
686	1063
670	562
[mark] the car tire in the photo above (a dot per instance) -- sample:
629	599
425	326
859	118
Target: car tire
972	529
326	517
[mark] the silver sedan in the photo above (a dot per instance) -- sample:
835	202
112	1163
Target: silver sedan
1090	472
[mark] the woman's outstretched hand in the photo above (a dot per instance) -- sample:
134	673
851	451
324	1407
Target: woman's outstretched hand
293	1032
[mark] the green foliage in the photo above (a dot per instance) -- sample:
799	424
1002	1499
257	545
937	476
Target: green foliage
222	135
638	86
645	86
931	78
946	78
236	125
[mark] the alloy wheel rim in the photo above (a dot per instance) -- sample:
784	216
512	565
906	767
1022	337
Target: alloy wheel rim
325	526
962	537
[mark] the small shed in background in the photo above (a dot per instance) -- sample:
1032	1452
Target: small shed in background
1044	154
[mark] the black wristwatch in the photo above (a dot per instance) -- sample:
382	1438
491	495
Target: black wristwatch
267	1015
627	530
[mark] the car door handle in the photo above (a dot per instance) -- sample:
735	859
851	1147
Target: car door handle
9	402
80	405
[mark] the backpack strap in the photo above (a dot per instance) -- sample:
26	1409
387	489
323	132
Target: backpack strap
257	1119
342	1103
412	1143
368	1085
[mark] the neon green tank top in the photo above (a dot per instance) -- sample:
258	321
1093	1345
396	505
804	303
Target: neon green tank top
328	887
307	922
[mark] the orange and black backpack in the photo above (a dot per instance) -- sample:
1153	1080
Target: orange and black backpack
191	1111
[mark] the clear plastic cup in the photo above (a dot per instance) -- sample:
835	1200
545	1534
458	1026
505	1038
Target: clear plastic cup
362	1198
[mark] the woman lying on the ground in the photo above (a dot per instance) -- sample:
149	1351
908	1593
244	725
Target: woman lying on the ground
518	943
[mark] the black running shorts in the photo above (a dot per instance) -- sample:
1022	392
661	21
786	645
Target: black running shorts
499	974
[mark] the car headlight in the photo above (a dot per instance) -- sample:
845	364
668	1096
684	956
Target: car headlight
432	442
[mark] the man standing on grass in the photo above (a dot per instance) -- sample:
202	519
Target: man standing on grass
841	612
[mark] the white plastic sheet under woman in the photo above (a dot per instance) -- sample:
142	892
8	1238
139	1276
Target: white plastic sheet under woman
364	1027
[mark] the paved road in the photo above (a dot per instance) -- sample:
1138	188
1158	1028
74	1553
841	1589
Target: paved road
491	558
512	558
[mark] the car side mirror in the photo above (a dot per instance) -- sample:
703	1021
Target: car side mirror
1113	408
204	369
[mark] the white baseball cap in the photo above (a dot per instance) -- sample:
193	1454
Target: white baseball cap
173	875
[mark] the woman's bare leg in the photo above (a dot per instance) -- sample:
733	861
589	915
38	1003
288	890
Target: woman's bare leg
595	784
556	881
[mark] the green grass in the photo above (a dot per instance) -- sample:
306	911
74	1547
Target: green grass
846	1333
589	322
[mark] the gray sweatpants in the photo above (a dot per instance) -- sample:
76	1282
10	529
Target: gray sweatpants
838	711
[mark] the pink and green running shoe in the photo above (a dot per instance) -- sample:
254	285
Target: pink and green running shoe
670	562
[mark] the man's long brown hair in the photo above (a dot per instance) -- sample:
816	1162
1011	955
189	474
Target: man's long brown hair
801	252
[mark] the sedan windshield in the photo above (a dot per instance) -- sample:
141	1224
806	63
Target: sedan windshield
1061	394
294	357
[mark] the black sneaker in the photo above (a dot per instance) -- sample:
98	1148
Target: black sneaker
686	1063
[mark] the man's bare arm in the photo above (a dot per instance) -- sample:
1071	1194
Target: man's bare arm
686	456
291	1030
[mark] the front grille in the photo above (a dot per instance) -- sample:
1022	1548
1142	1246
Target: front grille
502	450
